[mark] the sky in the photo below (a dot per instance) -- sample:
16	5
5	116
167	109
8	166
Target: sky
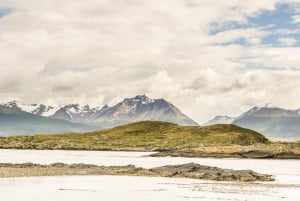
207	57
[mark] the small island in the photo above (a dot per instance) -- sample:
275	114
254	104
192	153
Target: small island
168	139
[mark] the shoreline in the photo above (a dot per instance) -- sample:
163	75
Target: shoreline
243	154
235	155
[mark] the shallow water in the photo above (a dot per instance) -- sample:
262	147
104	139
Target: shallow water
111	188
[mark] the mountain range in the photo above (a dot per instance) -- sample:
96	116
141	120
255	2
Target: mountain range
74	117
275	123
15	121
19	118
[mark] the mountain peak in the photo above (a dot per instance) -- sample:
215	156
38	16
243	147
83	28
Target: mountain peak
12	104
269	112
105	107
138	108
254	109
86	107
143	99
220	120
72	105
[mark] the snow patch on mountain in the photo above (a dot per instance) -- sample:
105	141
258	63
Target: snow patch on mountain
249	112
18	105
138	108
37	109
220	120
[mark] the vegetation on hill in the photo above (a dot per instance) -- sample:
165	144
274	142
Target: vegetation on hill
147	135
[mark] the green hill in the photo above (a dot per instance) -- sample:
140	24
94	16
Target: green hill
147	135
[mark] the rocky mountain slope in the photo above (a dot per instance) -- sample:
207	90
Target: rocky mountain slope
139	108
220	120
275	123
14	121
38	109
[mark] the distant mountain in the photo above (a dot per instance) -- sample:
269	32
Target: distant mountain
14	121
269	112
38	109
220	120
139	108
275	123
75	113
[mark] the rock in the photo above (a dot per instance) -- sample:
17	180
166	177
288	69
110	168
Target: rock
189	170
257	154
196	171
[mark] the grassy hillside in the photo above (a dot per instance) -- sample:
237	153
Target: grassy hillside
148	135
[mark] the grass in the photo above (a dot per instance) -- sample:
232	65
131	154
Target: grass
147	135
273	147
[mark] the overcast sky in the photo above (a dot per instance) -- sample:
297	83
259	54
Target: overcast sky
208	57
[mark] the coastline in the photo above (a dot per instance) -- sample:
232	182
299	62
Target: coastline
282	151
238	155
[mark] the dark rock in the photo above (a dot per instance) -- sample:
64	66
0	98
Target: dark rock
196	171
257	154
189	170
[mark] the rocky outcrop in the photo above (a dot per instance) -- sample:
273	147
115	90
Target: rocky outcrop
190	170
196	171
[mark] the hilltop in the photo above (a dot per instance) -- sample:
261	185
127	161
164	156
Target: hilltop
146	135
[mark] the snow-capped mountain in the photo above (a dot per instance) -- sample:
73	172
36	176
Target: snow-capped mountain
38	109
14	121
269	112
275	123
139	108
220	120
75	113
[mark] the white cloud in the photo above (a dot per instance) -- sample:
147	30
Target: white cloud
252	36
100	51
287	31
282	58
296	19
287	41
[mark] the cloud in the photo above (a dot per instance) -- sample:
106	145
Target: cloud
287	41
252	36
287	31
100	51
5	11
296	19
271	58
